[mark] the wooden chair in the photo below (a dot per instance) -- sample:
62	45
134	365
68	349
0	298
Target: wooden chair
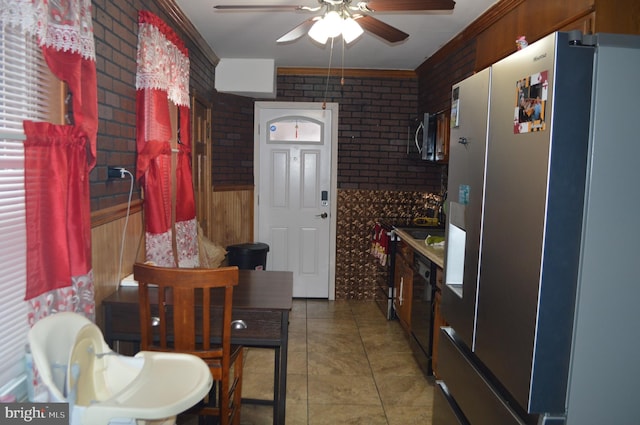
195	318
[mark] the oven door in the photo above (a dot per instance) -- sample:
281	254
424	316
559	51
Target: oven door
422	312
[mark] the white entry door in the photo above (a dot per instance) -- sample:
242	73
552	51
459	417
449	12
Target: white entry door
295	192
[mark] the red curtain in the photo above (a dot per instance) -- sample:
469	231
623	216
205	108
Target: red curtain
58	159
186	208
153	168
163	77
57	207
80	75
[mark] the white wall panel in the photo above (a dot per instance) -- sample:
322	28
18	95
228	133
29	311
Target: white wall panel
310	178
280	178
279	249
309	251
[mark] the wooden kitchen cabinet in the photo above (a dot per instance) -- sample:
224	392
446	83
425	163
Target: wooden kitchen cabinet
438	320
403	282
442	136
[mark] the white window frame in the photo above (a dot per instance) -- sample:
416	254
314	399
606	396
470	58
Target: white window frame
25	93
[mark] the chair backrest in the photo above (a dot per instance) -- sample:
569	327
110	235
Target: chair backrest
195	313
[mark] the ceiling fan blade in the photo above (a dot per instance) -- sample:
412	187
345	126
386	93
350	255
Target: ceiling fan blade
297	32
379	28
258	7
402	5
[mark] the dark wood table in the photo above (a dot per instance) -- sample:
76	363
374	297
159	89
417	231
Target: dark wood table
262	299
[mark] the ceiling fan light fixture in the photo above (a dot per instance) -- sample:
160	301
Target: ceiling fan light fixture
318	31
351	30
333	23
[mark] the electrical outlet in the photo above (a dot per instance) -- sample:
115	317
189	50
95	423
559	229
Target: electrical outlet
116	172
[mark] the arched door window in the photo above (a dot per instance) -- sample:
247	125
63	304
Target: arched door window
295	129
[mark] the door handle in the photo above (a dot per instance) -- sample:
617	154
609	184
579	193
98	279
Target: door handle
323	215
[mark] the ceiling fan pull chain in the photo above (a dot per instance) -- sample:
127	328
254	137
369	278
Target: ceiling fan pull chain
342	73
342	70
326	87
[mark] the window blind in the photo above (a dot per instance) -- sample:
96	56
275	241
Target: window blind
24	94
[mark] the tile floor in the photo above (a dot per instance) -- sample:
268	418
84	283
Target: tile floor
347	365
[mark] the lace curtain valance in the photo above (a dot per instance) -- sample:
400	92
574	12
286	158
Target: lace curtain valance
64	25
163	61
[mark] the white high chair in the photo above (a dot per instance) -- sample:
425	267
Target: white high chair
101	386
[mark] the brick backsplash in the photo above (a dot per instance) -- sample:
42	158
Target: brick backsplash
358	211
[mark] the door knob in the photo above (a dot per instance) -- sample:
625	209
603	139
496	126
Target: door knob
323	215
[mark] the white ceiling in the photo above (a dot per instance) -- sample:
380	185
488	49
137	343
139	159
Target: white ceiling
253	34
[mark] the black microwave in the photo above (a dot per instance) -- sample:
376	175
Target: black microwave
421	138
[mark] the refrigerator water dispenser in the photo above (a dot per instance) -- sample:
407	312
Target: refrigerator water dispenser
456	241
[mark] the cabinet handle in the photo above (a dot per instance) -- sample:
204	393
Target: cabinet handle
238	325
400	298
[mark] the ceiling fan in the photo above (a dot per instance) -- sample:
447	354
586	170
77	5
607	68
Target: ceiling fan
347	18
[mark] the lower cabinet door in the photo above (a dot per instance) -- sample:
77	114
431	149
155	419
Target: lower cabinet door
445	409
481	402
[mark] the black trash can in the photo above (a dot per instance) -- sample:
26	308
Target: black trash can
248	256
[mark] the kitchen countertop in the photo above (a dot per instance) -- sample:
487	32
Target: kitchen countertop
435	254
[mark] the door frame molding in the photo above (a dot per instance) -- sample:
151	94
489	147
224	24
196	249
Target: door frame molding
208	147
333	107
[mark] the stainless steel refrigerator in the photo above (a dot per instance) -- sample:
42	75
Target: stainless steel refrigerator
542	289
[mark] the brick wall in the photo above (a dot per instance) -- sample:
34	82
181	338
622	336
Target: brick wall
374	114
372	135
116	36
232	127
437	76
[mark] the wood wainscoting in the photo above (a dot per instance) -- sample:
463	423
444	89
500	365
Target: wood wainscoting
107	227
231	215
